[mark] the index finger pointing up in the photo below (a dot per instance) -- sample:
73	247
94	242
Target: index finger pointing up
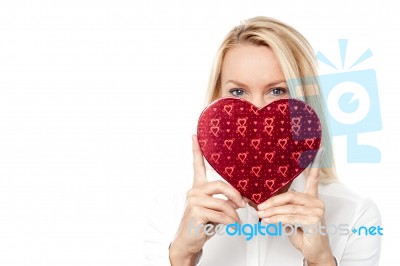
313	174
198	163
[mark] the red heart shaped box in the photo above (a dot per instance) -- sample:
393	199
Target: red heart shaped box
258	151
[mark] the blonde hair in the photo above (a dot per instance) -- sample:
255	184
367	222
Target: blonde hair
297	60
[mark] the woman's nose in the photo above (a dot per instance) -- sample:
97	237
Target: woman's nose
258	101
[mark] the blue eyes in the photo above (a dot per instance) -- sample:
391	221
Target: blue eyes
278	91
237	92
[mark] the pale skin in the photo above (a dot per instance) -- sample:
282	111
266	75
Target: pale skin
252	73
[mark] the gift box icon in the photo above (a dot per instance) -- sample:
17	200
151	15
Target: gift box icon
351	103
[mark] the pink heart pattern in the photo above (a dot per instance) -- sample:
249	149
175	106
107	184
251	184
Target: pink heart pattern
258	151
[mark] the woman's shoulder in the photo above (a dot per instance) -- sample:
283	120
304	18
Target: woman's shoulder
342	201
337	190
171	200
164	211
358	219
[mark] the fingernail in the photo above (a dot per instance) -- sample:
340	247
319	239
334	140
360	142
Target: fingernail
261	206
260	213
243	203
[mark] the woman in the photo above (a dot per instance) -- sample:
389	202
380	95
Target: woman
263	60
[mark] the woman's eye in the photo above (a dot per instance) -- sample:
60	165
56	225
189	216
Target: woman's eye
278	91
236	92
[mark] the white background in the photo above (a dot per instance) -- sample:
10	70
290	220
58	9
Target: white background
98	101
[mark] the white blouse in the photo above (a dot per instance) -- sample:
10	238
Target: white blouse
342	206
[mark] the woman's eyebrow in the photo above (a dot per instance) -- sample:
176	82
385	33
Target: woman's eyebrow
271	84
274	83
237	83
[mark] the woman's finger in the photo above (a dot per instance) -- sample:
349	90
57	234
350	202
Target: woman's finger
291	210
209	215
313	174
216	205
290	197
293	219
233	204
198	164
219	187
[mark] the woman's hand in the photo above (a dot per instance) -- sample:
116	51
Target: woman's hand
306	209
202	209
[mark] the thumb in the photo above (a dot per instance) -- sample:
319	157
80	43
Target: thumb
313	174
199	169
